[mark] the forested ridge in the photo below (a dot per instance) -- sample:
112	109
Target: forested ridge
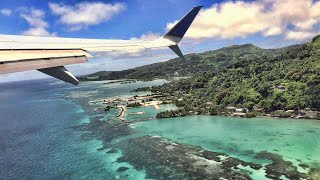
242	76
286	79
210	61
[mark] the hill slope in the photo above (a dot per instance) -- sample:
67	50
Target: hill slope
210	61
287	79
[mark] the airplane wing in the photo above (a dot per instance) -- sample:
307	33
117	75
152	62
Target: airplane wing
49	55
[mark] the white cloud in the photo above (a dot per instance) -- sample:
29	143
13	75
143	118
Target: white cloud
38	26
35	18
5	12
299	35
38	31
85	14
147	37
233	19
272	31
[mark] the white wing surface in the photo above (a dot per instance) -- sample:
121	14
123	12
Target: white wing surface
50	54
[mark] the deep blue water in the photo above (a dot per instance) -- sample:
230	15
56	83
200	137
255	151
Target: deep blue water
36	138
36	141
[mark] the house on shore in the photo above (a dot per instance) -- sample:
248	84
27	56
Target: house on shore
313	114
237	112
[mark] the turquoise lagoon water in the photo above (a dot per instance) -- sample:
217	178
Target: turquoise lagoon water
295	140
38	141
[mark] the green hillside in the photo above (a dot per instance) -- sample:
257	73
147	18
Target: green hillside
243	76
285	79
210	61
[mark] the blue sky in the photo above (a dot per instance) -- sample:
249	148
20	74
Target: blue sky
138	17
266	23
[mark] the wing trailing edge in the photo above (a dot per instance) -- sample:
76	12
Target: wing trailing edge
50	62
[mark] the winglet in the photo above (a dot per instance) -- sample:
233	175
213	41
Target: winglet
176	33
61	73
176	49
179	30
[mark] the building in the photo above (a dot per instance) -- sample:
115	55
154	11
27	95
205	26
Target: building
281	88
313	114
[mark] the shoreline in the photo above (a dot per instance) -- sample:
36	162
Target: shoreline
156	104
272	117
258	117
155	101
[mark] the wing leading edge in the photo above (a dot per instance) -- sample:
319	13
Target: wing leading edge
50	54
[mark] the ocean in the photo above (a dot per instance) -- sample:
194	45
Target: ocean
50	130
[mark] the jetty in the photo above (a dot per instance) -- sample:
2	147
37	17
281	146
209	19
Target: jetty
122	114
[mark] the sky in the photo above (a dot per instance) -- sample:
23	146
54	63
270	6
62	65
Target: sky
265	23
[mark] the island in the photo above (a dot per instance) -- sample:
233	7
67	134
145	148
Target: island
240	80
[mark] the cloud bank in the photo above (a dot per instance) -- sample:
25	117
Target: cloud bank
85	14
38	26
294	19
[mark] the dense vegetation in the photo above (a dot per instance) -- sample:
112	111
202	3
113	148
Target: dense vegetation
210	61
172	113
136	104
281	80
245	76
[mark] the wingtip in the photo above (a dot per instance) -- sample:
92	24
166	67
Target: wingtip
198	7
177	32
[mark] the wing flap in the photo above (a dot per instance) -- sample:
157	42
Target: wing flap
61	73
25	65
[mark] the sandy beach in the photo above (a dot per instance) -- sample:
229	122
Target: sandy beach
153	103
